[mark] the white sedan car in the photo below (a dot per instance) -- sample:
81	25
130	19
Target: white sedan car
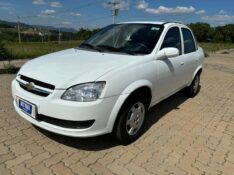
109	82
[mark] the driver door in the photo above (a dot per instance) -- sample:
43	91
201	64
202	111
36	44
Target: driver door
170	71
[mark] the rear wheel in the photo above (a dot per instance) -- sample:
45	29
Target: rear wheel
193	89
131	120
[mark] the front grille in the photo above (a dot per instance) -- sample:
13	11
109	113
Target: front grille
40	88
38	83
40	93
65	123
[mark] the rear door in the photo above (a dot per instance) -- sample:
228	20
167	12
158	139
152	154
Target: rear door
190	57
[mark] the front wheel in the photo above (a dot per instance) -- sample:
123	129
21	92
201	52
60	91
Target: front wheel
131	120
193	89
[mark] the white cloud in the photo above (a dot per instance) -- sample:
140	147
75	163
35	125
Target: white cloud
222	12
142	4
106	5
123	5
67	23
75	14
219	18
56	4
200	12
6	6
39	2
48	12
46	16
167	10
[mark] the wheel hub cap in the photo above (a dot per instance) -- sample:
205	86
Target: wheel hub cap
135	118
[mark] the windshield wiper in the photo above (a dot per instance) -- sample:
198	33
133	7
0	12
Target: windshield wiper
91	46
106	47
110	48
114	49
130	52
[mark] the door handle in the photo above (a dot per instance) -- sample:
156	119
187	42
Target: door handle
182	63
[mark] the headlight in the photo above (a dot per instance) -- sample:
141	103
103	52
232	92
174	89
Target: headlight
84	92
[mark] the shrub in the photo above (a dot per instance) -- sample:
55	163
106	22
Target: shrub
8	68
3	52
206	54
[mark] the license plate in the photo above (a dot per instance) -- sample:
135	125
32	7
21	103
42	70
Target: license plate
27	107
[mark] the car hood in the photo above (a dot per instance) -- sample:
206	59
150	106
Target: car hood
73	66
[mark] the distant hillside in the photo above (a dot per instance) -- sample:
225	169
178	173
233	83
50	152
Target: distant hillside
35	33
7	24
9	32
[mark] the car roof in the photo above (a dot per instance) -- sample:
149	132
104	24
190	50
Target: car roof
143	22
154	22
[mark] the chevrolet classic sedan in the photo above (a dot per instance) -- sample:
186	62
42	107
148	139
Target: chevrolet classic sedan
108	83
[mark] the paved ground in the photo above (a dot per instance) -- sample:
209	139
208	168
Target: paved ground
183	136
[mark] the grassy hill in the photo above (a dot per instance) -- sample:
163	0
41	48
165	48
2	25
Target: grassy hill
9	32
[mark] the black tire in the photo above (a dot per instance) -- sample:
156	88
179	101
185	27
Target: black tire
122	128
194	88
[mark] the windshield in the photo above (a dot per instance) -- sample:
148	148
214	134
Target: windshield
125	38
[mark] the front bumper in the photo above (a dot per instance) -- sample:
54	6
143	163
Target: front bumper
98	111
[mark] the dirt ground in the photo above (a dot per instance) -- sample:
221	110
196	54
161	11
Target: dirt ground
16	63
182	136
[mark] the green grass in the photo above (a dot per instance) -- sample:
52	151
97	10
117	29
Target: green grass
28	50
213	47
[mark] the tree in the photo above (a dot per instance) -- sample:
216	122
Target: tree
83	34
202	31
225	33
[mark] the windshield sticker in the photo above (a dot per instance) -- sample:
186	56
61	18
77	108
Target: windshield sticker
155	28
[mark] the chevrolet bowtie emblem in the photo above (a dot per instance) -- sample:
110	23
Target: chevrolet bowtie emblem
30	86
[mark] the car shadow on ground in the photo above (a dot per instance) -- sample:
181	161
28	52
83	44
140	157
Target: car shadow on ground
108	141
161	109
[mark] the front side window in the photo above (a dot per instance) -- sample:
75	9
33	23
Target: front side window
172	39
189	44
125	38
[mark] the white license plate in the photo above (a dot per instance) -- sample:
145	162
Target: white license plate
26	107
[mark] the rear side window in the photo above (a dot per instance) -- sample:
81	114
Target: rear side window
172	39
189	43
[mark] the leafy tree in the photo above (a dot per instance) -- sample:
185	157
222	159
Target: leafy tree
202	31
83	34
225	33
205	33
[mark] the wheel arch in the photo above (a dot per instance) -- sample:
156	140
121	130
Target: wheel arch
198	70
132	90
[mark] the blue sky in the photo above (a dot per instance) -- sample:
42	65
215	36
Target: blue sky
97	13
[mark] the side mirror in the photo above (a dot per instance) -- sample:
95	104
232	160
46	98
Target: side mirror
168	52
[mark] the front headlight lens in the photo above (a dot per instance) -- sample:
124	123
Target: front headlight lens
84	92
